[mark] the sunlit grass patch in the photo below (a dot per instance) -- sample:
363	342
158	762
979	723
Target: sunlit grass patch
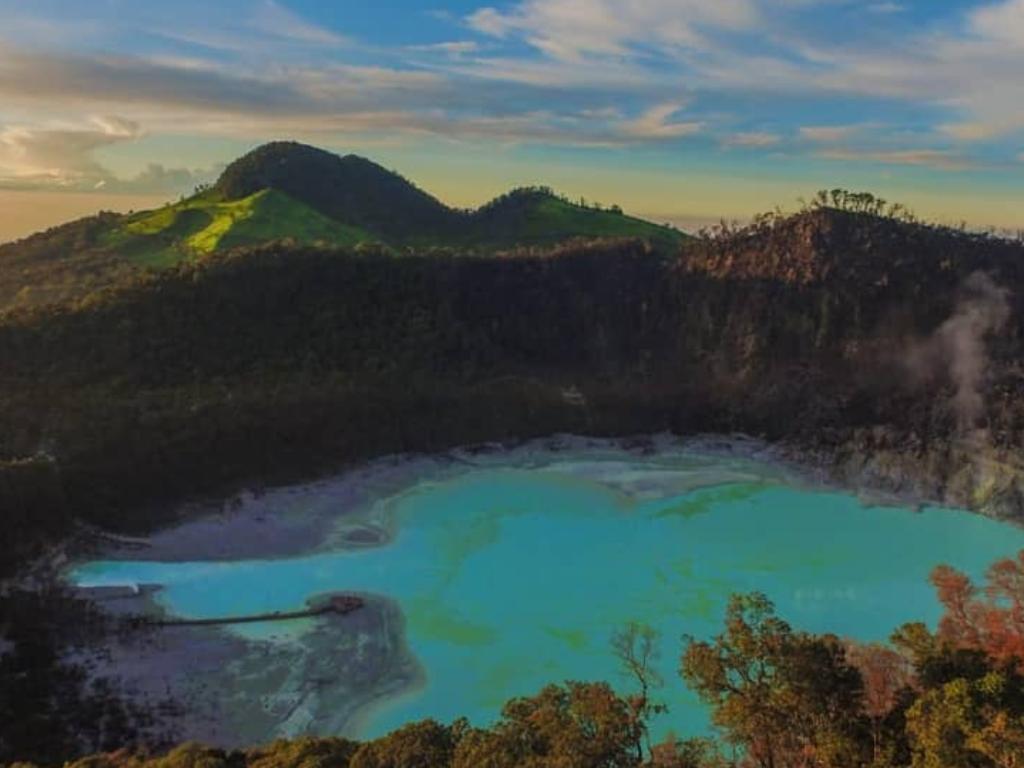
205	223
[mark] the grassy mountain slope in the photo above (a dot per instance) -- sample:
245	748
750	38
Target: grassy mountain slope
362	194
538	217
349	189
289	191
205	223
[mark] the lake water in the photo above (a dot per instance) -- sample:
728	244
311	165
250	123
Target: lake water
513	571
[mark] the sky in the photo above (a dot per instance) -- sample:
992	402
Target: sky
683	111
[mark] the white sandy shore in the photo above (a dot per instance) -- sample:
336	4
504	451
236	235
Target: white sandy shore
235	690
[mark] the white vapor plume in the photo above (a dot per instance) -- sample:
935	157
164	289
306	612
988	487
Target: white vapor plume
957	349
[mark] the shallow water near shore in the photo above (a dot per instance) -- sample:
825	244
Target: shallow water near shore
512	570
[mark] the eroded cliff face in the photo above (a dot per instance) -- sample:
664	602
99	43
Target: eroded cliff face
827	333
903	342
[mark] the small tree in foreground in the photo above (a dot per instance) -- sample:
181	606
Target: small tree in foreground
636	648
784	698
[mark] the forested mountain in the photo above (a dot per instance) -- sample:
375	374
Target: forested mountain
882	350
362	194
349	189
303	196
828	331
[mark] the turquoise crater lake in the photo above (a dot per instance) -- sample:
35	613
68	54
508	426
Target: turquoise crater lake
512	569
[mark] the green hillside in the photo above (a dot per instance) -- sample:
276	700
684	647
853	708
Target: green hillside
206	223
350	189
291	192
539	217
364	195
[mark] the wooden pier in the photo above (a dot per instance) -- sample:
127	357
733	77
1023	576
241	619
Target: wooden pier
340	605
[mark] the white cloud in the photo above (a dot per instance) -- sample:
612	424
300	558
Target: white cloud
274	20
971	69
572	29
613	74
1002	21
657	123
158	179
752	139
62	156
247	72
116	128
969	66
975	131
929	158
453	48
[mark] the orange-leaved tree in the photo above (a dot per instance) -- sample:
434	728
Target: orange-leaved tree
989	618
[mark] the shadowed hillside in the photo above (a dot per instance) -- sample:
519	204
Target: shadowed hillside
61	264
886	353
348	189
826	332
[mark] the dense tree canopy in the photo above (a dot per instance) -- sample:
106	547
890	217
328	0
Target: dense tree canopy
788	698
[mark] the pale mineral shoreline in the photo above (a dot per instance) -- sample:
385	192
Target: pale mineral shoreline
218	687
332	678
338	512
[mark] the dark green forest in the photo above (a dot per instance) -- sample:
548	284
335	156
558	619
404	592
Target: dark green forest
284	362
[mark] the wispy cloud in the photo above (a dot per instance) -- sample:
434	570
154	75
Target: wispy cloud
453	48
979	131
590	73
658	123
242	28
1003	21
970	69
968	65
928	158
752	139
274	20
572	29
159	88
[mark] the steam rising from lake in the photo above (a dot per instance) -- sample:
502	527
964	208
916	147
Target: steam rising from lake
957	349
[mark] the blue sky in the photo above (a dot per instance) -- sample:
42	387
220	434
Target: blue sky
682	110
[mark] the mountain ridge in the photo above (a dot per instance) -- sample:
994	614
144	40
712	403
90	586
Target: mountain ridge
294	193
347	188
361	193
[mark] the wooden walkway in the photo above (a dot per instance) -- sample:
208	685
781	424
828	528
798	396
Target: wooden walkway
340	605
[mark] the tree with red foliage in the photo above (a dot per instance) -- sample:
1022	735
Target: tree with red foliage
888	680
988	618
